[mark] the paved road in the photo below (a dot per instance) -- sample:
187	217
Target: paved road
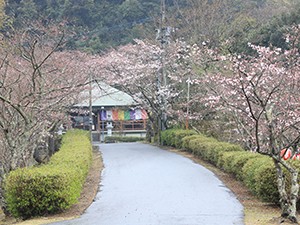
144	185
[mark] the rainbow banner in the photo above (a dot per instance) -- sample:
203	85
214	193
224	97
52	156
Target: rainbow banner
119	114
138	114
103	115
127	115
115	114
109	115
132	115
144	114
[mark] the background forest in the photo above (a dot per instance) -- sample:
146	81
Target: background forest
99	24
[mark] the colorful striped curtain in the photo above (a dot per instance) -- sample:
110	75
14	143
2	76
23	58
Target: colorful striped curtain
103	115
109	115
115	114
132	115
121	114
127	115
138	114
144	114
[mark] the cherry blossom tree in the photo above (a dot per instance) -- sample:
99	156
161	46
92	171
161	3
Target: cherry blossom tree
134	68
137	69
192	63
262	93
38	82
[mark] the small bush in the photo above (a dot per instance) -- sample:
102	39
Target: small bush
179	135
225	161
209	149
266	181
166	137
186	142
197	145
218	147
203	148
249	171
53	187
173	137
239	160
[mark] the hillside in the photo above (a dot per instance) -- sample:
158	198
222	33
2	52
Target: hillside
99	24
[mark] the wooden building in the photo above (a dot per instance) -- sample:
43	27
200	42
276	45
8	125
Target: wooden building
114	113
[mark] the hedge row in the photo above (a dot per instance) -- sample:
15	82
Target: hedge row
53	187
113	139
256	171
173	137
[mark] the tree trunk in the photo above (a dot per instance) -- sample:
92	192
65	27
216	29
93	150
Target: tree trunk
288	201
3	205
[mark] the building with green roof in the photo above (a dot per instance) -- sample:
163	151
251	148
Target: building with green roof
114	112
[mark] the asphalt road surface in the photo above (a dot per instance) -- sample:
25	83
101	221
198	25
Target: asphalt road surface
145	185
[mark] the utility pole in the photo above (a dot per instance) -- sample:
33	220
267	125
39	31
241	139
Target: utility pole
163	36
163	41
90	109
188	104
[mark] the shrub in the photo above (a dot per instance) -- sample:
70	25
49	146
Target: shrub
179	135
209	149
203	147
266	181
186	142
53	187
173	137
197	145
216	148
166	137
225	161
249	171
239	160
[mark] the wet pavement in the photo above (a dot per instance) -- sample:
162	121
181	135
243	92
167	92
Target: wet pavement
145	185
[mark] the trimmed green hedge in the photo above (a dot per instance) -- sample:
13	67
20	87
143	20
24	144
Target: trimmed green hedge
173	137
208	148
51	188
205	147
233	162
113	139
186	142
256	171
266	181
